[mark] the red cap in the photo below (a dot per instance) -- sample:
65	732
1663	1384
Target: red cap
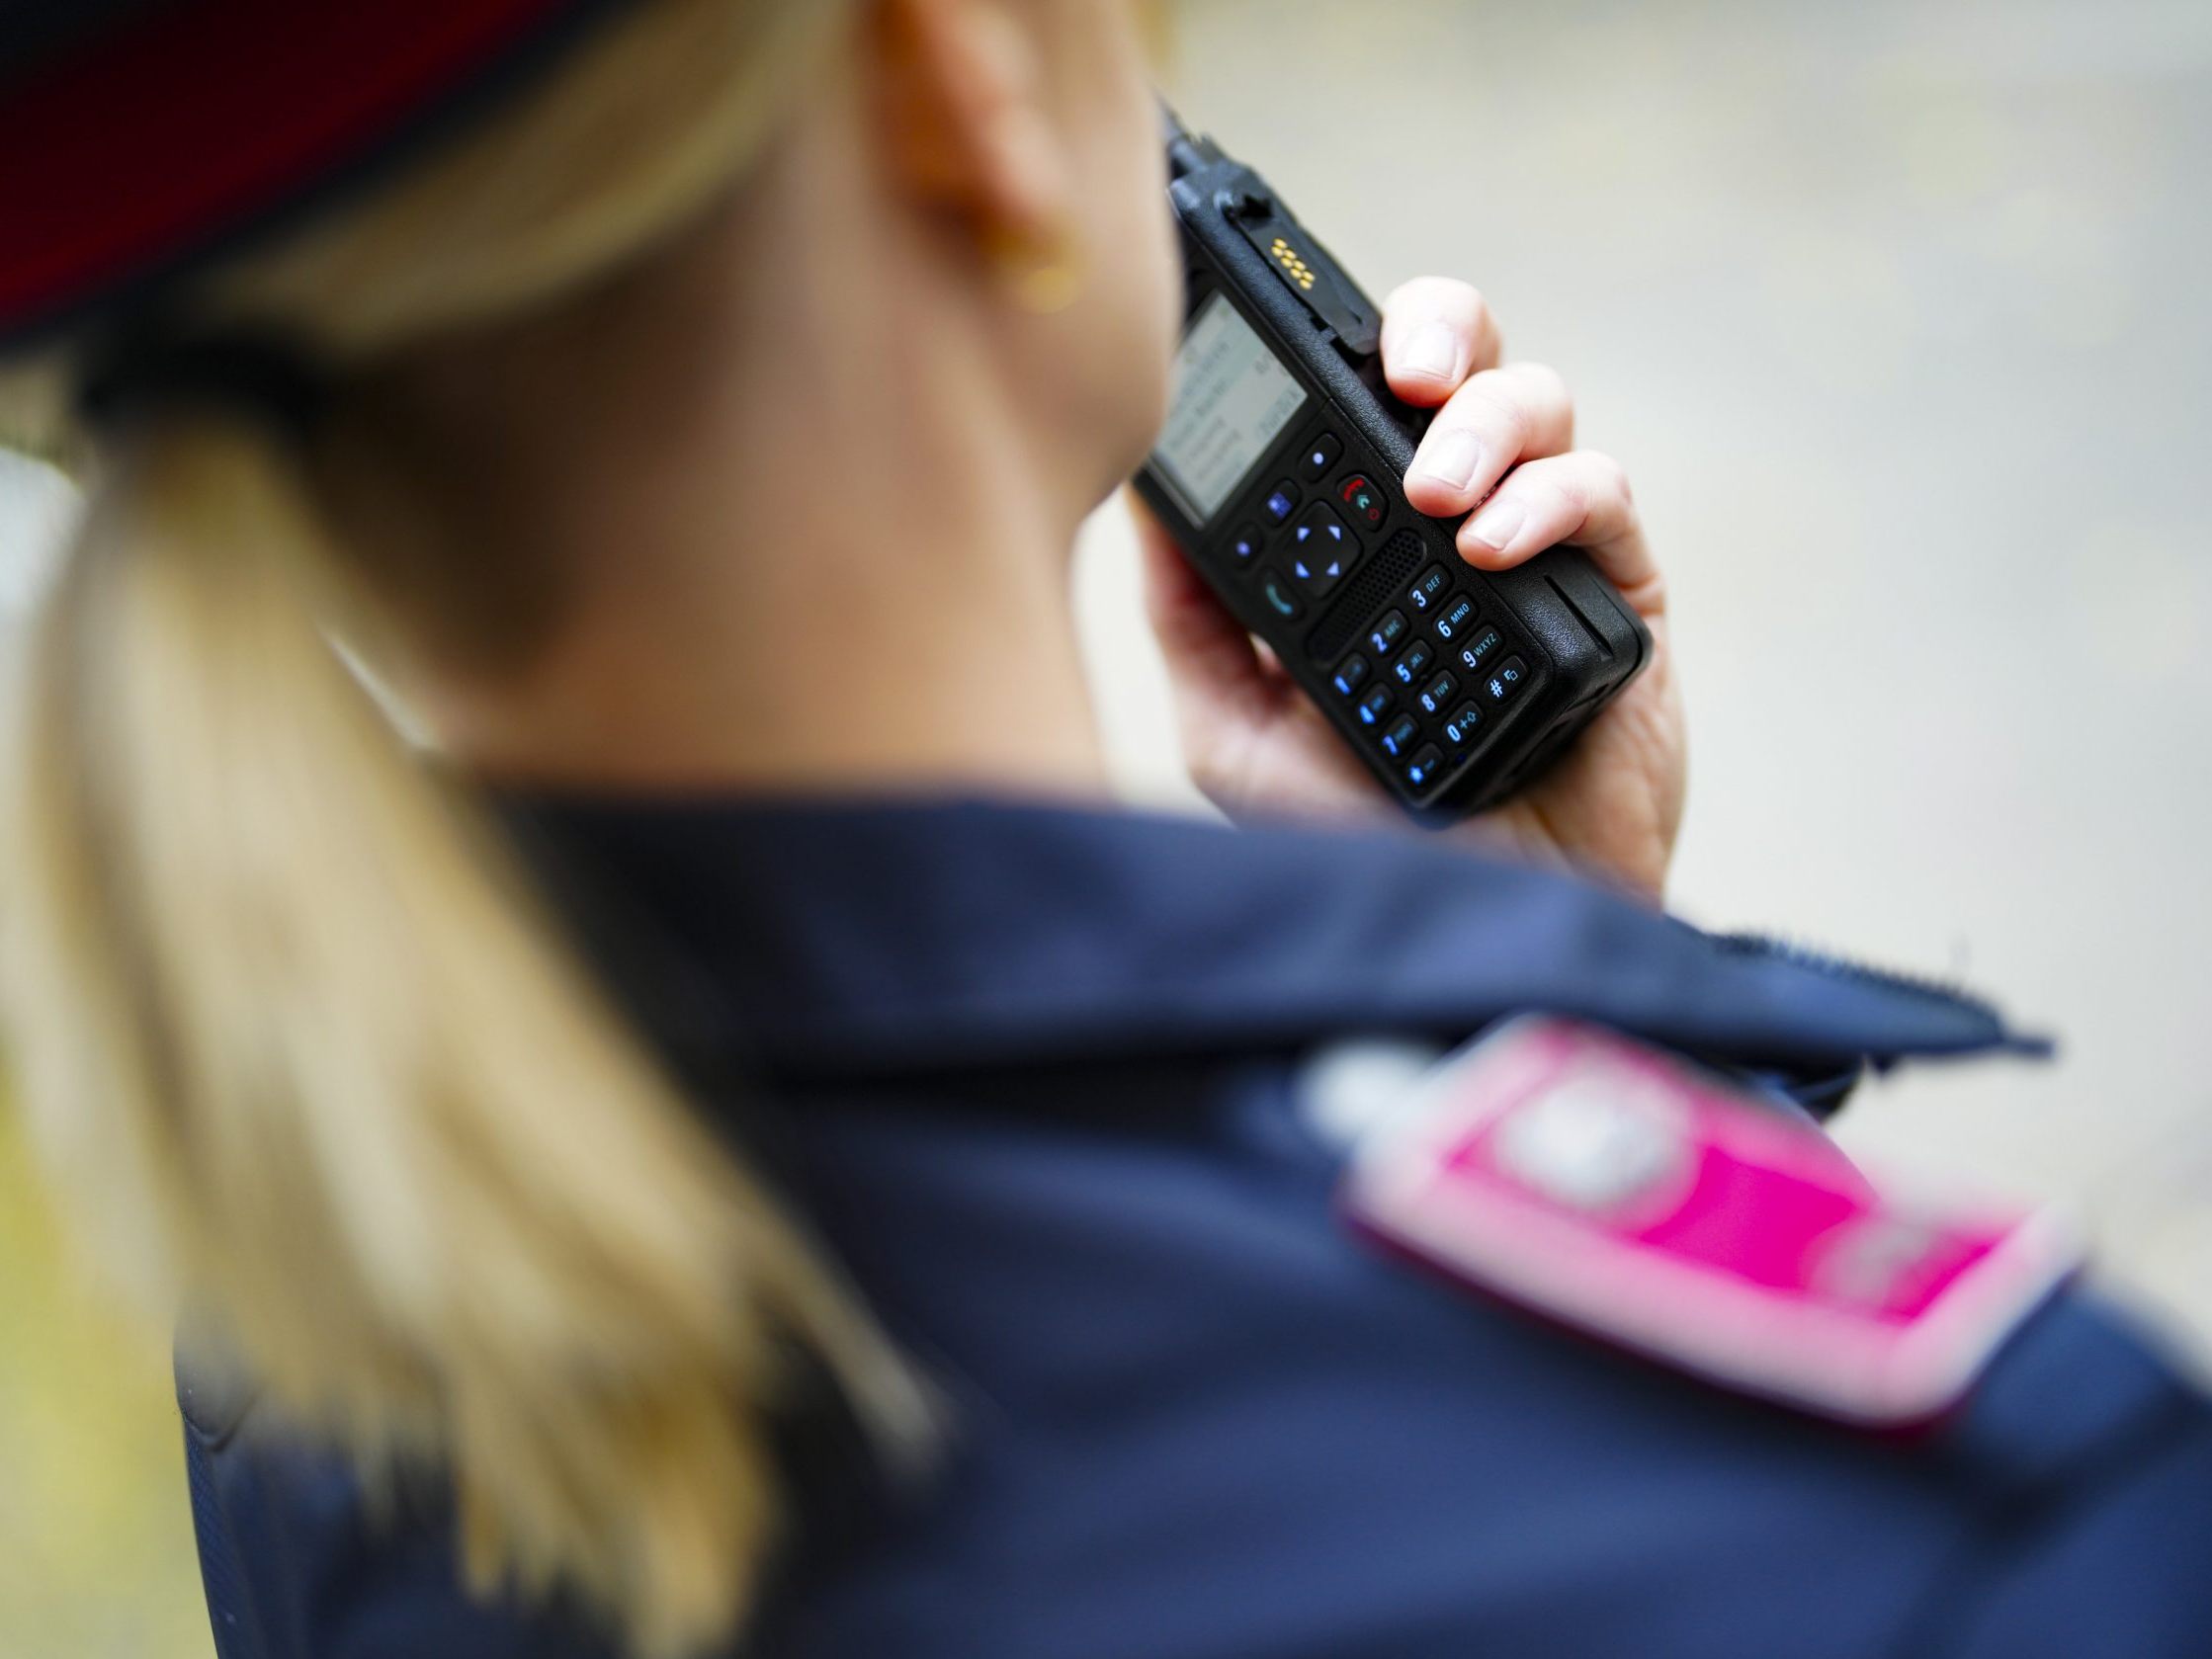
150	135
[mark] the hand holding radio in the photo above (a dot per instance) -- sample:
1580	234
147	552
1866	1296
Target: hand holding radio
1500	441
1314	470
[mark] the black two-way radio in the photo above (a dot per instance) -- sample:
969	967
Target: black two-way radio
1281	472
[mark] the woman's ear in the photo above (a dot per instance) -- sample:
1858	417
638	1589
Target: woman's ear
968	132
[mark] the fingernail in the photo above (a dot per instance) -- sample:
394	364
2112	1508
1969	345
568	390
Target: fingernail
1497	525
1451	455
1433	350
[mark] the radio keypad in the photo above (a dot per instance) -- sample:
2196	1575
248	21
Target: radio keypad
1445	724
1313	530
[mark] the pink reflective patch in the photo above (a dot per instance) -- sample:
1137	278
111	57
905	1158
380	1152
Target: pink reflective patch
1616	1190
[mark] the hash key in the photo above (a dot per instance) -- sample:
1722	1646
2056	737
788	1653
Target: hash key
1508	680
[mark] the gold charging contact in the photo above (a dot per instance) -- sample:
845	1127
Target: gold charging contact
1293	262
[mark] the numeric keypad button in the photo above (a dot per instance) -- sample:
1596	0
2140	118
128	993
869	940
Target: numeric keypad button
1457	617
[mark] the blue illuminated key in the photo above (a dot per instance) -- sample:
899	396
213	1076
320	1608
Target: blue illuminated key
1477	651
1413	664
1458	618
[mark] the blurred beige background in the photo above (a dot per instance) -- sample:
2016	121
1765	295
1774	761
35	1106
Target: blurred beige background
1895	313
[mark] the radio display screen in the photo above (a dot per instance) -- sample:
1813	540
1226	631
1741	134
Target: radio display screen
1232	399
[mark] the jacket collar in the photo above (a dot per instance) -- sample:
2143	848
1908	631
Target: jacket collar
872	938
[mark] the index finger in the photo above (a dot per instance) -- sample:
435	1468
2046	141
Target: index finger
1436	332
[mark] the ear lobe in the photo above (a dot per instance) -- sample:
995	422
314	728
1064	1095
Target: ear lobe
962	109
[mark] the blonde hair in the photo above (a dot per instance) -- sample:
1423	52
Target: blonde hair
293	1031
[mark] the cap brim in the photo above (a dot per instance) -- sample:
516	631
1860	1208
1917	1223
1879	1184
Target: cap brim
171	138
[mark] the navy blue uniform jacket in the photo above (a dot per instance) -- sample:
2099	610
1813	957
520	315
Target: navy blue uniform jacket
1034	1075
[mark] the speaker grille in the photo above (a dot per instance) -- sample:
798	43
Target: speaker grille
1385	576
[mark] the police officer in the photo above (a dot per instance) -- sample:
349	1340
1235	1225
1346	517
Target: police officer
766	1164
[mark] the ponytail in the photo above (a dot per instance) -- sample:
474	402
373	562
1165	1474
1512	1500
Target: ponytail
297	1031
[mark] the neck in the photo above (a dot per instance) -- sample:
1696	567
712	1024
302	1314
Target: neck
795	540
